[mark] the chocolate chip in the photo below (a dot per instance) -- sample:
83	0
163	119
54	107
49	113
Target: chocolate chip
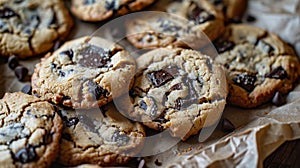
52	66
278	73
61	73
143	105
279	99
68	53
178	103
235	20
13	62
217	2
26	89
67	136
121	139
227	125
159	78
71	121
21	72
250	18
200	15
26	155
150	108
158	163
160	119
94	57
96	90
245	81
18	1
6	13
111	5
223	46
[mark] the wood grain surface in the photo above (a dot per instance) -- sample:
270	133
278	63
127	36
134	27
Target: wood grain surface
286	156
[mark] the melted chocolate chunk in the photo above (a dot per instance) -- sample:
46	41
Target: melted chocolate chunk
94	57
111	5
235	20
227	125
97	91
21	72
67	136
6	13
279	99
13	62
200	15
250	18
217	2
26	155
192	98
245	81
121	139
223	46
68	53
18	1
71	121
161	77
160	119
53	66
278	73
150	108
143	105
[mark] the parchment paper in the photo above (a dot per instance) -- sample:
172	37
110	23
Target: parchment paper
259	131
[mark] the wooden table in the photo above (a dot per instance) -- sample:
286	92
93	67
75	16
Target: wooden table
286	156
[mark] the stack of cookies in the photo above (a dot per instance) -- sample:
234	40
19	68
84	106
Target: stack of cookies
92	98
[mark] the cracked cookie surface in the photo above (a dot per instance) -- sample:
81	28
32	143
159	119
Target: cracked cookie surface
177	89
232	9
31	27
99	10
84	73
99	136
258	64
186	23
30	131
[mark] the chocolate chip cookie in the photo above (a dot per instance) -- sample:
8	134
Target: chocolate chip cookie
177	89
31	27
258	64
99	10
84	73
186	23
30	131
232	9
99	136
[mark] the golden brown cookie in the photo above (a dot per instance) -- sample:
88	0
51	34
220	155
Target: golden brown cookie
31	27
258	64
84	73
30	131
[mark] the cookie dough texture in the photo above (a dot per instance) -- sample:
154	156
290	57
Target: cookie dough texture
99	10
84	73
258	64
232	9
31	27
178	90
30	131
99	136
187	23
